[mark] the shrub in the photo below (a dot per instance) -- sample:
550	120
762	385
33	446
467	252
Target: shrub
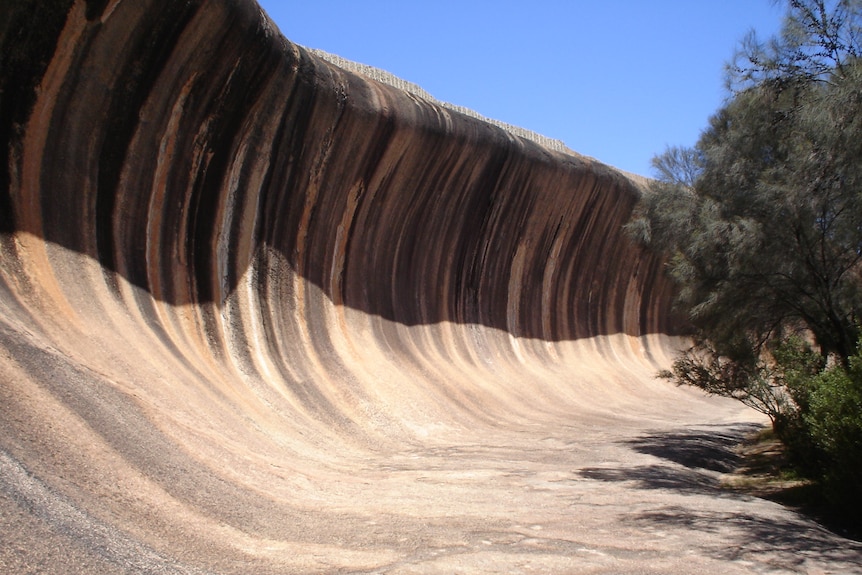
833	421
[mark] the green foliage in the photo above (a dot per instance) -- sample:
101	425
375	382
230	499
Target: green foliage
767	235
762	219
752	381
761	224
818	37
833	422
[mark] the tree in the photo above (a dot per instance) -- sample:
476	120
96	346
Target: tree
761	221
761	224
818	39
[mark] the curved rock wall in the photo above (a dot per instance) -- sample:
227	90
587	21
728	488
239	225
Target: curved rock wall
184	148
233	272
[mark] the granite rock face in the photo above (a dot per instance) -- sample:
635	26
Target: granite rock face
186	147
260	314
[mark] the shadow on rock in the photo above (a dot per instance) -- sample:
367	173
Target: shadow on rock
708	448
655	477
699	456
790	540
692	462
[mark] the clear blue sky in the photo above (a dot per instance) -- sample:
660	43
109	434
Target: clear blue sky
618	80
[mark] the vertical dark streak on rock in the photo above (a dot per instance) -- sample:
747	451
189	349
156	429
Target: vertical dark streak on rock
29	30
95	8
153	45
476	250
383	171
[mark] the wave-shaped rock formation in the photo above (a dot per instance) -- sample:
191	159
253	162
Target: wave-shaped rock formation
392	80
259	314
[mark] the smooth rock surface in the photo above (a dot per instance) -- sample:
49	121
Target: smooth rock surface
259	314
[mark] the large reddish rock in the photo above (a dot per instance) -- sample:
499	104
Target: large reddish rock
260	314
